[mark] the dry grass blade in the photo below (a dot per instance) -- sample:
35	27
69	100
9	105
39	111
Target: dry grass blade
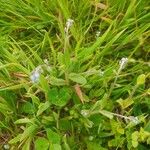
79	92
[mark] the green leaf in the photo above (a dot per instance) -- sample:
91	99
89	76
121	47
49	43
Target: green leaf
77	78
116	127
53	95
66	58
125	103
59	97
106	113
148	91
15	139
28	108
42	107
60	58
34	98
65	124
64	96
101	104
27	144
116	142
24	120
88	123
143	135
57	82
120	130
55	147
4	108
147	126
28	132
41	144
135	136
141	79
94	146
44	83
66	145
52	136
134	144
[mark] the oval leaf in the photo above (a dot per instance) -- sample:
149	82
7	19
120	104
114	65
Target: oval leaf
52	136
42	107
141	79
77	78
106	113
41	144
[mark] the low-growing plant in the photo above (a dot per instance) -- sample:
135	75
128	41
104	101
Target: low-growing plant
74	75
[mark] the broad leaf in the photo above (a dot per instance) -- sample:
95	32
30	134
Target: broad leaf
42	107
41	144
125	103
55	147
15	139
141	79
106	113
52	136
28	132
28	108
77	78
57	82
135	136
59	97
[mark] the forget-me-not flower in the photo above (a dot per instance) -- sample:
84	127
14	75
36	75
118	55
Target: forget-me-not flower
35	74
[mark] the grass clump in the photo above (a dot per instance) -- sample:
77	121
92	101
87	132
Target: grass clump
74	74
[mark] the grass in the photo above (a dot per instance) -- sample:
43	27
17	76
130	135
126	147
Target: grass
78	84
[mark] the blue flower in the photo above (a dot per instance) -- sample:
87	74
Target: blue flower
35	74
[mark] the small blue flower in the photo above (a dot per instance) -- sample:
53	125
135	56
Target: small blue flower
35	74
35	77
